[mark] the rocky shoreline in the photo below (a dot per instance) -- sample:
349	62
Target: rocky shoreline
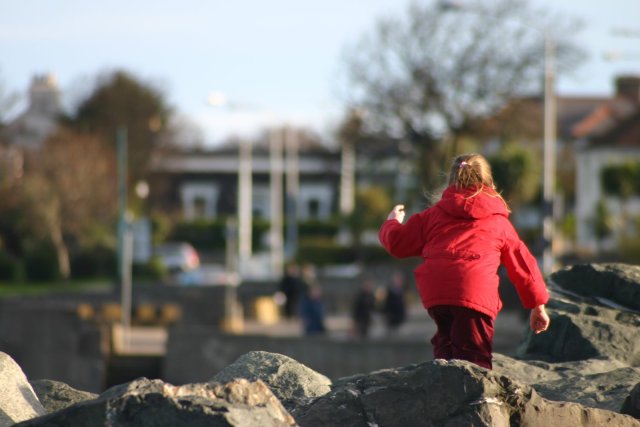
585	371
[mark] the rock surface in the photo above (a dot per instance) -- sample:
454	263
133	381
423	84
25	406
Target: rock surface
615	282
291	381
18	401
442	393
593	323
584	371
55	395
150	403
596	383
631	405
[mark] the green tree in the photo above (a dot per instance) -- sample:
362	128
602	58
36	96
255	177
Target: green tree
121	100
371	208
516	172
435	75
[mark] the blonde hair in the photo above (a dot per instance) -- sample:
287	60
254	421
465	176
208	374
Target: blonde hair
473	171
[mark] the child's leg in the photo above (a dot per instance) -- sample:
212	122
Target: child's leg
441	341
472	336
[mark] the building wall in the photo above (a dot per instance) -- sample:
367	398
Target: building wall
589	164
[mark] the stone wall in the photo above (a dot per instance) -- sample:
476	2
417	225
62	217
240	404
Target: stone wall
195	354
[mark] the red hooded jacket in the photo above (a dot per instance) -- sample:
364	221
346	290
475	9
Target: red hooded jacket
463	239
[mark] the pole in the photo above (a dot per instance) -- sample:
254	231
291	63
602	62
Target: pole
125	237
347	177
245	209
548	184
293	188
275	149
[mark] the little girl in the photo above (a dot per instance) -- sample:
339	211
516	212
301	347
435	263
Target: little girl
463	239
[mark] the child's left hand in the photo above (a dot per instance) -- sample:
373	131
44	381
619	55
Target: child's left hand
539	319
397	213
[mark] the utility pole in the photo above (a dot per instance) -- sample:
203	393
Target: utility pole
293	188
125	237
548	184
275	155
245	208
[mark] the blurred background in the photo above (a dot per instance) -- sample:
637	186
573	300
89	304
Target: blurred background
171	170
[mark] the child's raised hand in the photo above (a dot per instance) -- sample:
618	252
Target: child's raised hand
397	213
539	319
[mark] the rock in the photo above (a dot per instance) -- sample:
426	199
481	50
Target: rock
55	395
618	283
147	403
596	383
18	401
631	405
582	329
291	381
454	393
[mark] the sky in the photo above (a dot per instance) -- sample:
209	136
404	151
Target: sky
274	62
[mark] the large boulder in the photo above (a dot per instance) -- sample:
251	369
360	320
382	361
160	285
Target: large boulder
56	395
590	316
291	381
597	383
147	403
442	393
631	405
609	283
18	401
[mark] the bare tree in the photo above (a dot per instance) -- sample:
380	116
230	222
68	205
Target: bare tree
68	193
435	74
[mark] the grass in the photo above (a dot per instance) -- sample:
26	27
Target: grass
43	288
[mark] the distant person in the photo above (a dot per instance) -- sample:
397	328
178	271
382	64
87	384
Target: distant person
291	287
394	309
364	305
312	311
463	239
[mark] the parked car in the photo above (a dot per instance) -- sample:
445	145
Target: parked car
178	257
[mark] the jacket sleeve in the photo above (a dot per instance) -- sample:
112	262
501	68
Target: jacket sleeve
402	240
523	271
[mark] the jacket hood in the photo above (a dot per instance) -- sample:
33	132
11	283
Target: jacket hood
462	203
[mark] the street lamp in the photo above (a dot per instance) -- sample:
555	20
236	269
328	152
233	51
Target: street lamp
549	137
245	193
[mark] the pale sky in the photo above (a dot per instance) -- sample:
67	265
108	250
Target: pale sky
277	61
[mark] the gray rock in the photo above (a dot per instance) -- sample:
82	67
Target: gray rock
18	402
596	383
291	381
441	393
147	403
631	405
619	283
582	329
56	395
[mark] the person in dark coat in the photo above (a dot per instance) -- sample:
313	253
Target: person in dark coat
292	287
312	311
363	307
394	304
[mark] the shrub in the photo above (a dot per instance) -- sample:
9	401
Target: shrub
10	267
41	264
98	261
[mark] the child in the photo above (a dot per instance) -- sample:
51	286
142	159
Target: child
463	239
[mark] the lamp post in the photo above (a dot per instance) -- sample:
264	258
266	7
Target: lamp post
245	209
275	182
244	197
125	237
293	188
548	181
549	138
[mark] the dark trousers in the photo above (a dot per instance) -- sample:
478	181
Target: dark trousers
463	334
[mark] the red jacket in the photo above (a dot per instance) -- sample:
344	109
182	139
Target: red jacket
463	239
